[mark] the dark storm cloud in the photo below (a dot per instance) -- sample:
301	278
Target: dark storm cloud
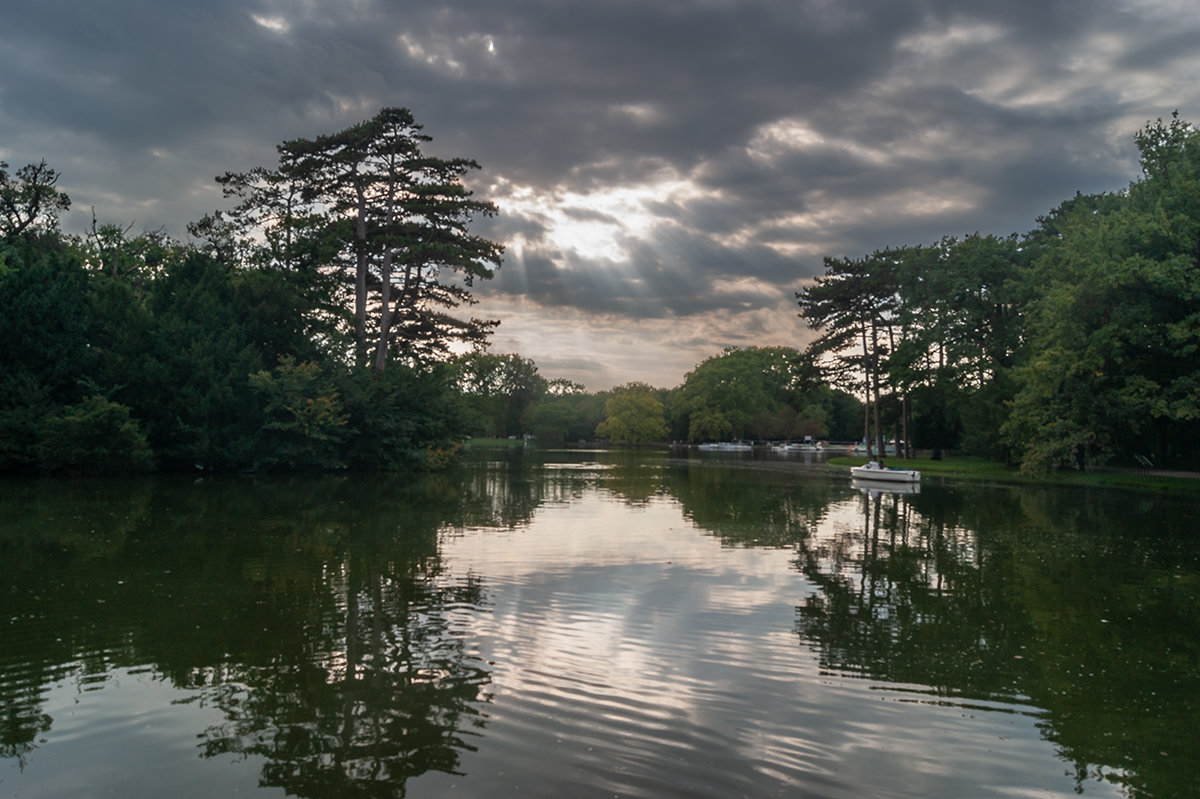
706	152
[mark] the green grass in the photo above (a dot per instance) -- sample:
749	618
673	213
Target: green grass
970	468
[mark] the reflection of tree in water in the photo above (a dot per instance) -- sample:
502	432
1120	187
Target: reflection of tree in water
514	484
390	693
22	721
380	685
633	477
45	529
1027	597
498	489
884	579
754	507
313	612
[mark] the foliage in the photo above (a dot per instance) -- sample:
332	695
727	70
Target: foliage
206	363
401	418
633	414
94	437
1115	337
941	324
852	305
42	359
760	392
30	200
1070	347
566	416
305	423
499	391
368	204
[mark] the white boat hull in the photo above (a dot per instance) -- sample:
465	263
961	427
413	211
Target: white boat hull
886	475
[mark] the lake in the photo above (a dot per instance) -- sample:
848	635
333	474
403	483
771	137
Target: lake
596	624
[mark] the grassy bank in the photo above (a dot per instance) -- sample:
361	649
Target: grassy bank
494	443
968	468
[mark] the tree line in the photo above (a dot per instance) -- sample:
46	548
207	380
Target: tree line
758	393
1073	345
308	327
314	326
1070	346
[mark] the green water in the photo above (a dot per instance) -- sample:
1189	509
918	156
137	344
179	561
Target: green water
596	624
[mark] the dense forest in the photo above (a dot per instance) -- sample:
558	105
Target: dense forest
308	327
1071	346
315	325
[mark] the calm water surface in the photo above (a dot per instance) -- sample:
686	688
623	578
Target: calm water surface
596	624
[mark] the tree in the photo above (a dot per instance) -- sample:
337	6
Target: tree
499	390
761	392
369	202
305	423
109	249
633	414
1113	341
566	412
852	304
94	437
30	200
960	312
45	325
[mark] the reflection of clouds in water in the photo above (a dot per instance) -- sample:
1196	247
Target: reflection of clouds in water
630	649
877	525
595	588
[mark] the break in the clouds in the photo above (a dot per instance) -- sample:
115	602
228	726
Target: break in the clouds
668	173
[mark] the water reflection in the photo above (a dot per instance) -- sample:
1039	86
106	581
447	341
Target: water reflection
321	626
1053	599
313	614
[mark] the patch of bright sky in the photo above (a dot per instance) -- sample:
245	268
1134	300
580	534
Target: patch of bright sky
276	24
639	113
563	341
950	39
594	226
746	285
448	55
777	139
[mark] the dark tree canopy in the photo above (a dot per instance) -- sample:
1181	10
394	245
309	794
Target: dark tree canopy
1072	346
30	200
369	207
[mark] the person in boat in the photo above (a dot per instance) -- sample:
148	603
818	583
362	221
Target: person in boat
874	464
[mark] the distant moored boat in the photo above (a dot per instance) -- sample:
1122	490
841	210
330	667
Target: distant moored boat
726	446
884	474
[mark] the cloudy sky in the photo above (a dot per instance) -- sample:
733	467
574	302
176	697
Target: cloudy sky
669	172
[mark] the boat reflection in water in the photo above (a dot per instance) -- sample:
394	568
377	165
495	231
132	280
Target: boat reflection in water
876	488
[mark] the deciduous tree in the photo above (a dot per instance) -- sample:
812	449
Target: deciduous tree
1114	340
633	414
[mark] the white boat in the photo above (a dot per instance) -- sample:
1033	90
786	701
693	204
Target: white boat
799	446
726	446
883	474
